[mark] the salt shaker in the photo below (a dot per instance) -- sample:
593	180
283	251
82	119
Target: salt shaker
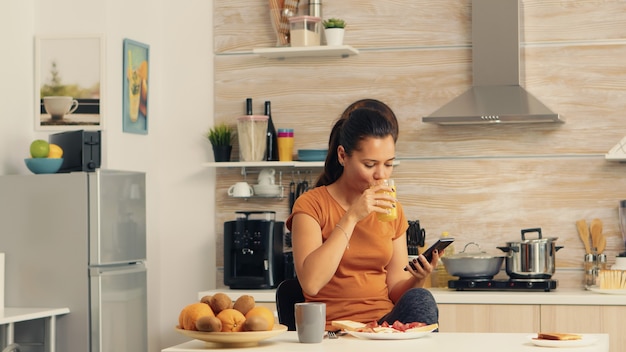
590	269
601	262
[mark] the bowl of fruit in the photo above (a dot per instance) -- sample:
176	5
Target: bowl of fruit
219	320
46	158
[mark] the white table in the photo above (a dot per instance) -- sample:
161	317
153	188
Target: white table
483	342
10	316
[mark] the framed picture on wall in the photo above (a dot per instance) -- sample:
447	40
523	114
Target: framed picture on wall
69	74
135	92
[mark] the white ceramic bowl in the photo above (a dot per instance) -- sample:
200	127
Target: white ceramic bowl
266	190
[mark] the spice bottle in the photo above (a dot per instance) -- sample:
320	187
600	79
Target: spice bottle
271	146
590	270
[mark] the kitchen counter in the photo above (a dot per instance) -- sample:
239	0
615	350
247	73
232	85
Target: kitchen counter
560	296
484	342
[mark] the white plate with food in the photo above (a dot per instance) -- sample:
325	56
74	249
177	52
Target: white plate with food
391	334
585	340
607	291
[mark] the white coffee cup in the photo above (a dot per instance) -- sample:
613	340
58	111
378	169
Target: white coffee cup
240	189
59	106
266	177
310	321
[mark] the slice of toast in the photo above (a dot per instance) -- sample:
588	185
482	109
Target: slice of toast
558	336
348	325
430	327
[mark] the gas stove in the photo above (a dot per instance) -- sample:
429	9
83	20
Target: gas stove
503	285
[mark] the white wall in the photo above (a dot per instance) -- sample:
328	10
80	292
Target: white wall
181	240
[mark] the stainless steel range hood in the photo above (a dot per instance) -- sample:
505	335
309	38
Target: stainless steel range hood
496	95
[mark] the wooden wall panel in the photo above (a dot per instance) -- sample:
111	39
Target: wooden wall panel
480	183
241	25
585	84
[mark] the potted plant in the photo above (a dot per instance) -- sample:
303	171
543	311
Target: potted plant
334	29
221	137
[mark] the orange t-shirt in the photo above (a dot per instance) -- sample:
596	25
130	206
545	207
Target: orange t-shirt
358	291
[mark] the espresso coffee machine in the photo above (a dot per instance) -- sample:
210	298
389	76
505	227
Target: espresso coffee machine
253	251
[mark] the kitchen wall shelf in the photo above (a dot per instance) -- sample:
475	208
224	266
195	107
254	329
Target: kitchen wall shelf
306	51
265	164
279	196
244	165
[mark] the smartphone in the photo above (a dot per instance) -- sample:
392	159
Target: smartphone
440	245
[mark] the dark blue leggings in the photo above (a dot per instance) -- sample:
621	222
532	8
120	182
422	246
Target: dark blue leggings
415	305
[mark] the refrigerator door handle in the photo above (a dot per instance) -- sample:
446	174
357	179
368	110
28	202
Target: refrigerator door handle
116	270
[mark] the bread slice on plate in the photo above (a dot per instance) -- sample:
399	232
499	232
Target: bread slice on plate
558	336
430	327
348	325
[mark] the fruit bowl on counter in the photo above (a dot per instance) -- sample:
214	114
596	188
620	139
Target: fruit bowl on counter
44	165
234	339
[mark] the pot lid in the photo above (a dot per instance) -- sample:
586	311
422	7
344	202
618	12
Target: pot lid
539	239
477	253
536	240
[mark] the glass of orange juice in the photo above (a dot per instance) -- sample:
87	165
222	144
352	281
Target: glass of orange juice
392	213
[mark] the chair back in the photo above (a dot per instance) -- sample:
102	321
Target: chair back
288	293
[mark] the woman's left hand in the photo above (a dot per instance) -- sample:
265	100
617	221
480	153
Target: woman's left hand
420	272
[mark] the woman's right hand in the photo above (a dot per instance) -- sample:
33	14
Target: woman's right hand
374	199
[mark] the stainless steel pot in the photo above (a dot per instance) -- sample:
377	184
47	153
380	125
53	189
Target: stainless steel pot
531	258
473	265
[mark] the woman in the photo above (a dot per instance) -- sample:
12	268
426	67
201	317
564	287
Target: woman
343	255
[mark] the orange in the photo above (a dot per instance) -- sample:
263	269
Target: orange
191	313
264	313
232	320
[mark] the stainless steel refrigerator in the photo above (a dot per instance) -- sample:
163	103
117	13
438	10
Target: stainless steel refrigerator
78	240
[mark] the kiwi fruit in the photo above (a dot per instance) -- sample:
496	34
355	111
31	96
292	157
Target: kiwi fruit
255	323
219	302
206	299
244	303
209	324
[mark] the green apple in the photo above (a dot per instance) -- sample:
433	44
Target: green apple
39	149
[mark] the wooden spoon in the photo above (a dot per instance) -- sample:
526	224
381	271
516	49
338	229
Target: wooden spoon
596	233
601	244
583	233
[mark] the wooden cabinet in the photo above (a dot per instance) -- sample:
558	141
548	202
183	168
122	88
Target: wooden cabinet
534	318
488	318
589	319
